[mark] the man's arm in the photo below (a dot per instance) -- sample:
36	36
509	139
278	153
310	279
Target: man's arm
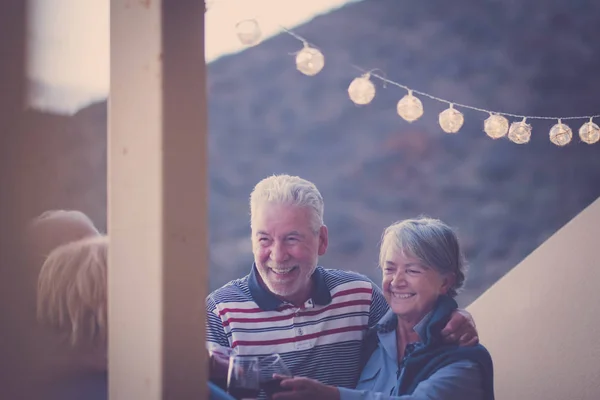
461	329
216	336
214	325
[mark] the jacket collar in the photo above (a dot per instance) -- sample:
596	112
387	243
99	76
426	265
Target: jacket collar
430	326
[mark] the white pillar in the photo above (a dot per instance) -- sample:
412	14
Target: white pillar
157	197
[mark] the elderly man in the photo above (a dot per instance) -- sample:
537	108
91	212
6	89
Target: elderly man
315	318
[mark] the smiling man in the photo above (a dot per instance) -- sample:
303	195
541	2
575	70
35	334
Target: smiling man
315	318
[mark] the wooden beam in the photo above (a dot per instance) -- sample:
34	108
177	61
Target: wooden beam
157	215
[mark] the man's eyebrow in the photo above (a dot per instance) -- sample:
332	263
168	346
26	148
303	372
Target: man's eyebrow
292	233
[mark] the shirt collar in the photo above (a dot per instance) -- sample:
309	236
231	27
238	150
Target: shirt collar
267	301
386	333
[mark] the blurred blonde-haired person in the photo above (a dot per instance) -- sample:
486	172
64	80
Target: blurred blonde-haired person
72	311
45	233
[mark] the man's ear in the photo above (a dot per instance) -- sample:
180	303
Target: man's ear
323	239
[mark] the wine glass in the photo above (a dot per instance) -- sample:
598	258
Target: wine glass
269	366
219	363
243	377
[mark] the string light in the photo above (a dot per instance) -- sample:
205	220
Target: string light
451	120
589	132
361	91
248	32
560	134
520	132
309	60
410	107
496	126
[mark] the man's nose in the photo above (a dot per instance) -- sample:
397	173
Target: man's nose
278	252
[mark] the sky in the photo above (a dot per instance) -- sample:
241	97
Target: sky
69	42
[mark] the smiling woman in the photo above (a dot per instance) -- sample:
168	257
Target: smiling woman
420	260
406	354
422	255
423	269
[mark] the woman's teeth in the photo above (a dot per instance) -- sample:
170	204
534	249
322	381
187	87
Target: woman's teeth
403	295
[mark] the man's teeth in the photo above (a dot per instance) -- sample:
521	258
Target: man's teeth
282	271
403	295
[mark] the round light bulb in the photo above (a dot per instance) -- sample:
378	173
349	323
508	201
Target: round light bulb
519	132
410	107
248	32
310	61
589	132
451	120
560	134
361	90
496	126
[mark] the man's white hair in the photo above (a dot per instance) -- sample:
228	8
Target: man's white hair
72	291
290	190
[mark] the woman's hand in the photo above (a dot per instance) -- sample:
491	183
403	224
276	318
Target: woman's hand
461	329
305	388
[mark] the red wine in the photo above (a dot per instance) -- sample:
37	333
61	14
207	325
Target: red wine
243	393
271	387
220	382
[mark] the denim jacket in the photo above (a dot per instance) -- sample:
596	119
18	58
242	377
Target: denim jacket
382	373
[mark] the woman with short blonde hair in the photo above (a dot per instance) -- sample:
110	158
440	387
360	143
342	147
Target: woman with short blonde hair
72	310
72	298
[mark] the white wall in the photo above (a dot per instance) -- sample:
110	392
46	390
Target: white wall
541	322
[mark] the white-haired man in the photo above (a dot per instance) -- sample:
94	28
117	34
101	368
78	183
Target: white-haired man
315	318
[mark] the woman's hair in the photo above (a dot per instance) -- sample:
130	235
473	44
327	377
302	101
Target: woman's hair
54	228
432	242
72	291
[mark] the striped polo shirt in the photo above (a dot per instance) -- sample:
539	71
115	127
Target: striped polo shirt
320	340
